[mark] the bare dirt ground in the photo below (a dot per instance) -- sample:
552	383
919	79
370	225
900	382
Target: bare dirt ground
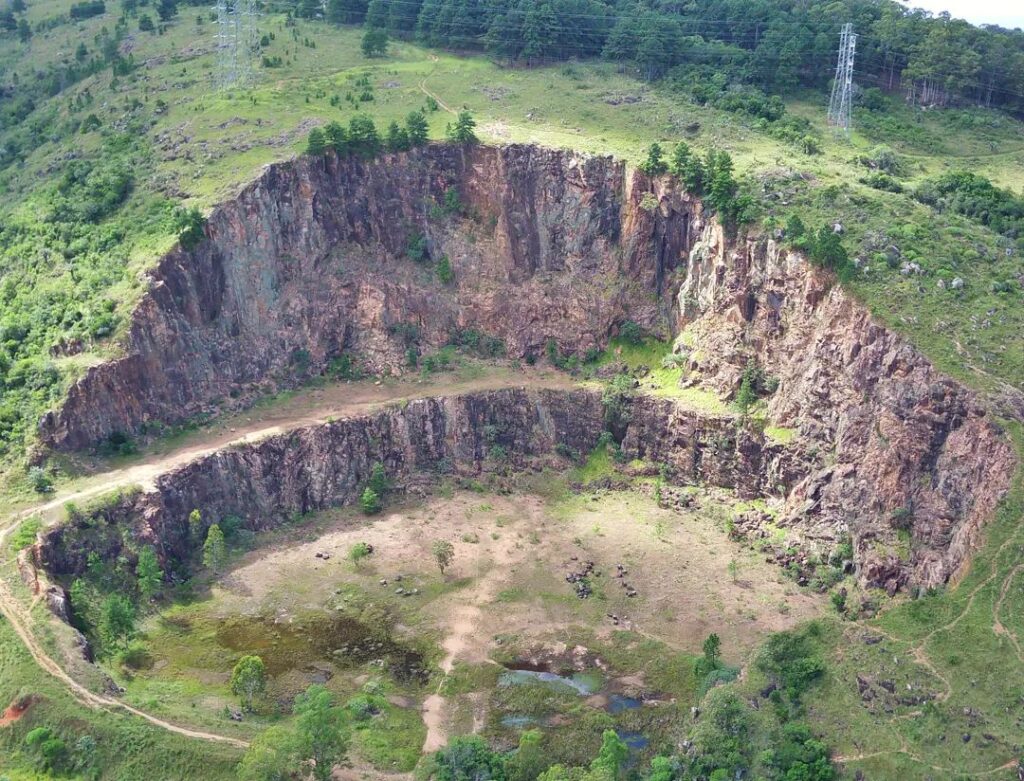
508	577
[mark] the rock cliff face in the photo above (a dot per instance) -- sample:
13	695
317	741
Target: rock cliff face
311	261
267	483
900	456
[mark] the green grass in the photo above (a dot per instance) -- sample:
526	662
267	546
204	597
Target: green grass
26	532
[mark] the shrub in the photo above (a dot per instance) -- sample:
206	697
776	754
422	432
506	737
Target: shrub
370	502
631	333
444	271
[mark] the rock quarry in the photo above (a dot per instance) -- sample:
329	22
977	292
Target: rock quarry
321	258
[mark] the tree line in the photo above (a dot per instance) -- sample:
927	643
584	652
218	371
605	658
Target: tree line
776	45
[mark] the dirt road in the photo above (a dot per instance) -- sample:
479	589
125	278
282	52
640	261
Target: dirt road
307	407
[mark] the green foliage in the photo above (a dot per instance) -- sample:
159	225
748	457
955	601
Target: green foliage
316	142
191	225
358	552
616	399
792	660
370	502
273	755
529	760
630	333
26	532
654	164
344	367
467	758
825	248
149	574
745	396
375	42
48	748
796	755
397	138
249	679
417	128
195	526
688	168
444	271
462	132
118	620
976	198
215	552
443	553
321	730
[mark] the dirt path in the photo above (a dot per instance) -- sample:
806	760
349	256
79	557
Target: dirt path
465	619
306	408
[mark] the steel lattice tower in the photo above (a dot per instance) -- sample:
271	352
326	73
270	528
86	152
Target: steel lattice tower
237	41
841	102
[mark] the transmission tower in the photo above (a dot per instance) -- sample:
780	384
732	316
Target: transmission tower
237	41
841	102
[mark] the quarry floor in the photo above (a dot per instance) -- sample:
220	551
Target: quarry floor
504	597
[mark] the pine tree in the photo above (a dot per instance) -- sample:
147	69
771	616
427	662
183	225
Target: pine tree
397	139
215	551
462	131
315	144
416	125
688	167
149	573
654	164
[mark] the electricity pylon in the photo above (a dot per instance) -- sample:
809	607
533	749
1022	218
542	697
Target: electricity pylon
841	102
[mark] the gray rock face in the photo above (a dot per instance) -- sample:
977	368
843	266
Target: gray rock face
311	260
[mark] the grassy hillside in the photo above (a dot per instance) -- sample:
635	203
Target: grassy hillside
108	161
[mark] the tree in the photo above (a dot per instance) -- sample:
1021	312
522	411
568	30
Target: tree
363	138
146	24
378	480
370	502
416	125
118	620
272	756
336	137
462	131
375	42
467	758
49	749
316	145
688	167
24	31
148	571
397	139
654	164
214	550
248	679
192	224
346	11
195	526
320	728
443	552
529	760
712	650
167	10
612	756
745	396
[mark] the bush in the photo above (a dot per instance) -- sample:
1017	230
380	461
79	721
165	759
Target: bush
370	502
444	271
631	333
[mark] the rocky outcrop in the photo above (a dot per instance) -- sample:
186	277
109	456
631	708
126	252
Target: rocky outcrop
271	482
312	260
903	458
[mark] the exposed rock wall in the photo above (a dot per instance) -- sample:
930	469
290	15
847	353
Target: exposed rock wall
322	466
310	261
894	449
